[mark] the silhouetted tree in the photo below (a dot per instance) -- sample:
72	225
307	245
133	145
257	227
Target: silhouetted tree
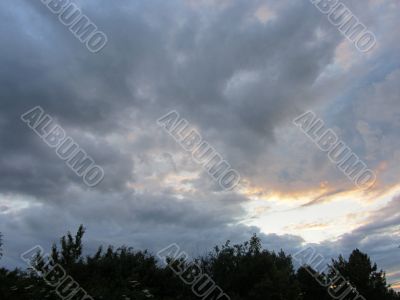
244	272
363	275
309	286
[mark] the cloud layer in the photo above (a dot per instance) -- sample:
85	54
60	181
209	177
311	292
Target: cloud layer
239	72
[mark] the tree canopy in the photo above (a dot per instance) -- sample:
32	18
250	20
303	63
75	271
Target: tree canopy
243	271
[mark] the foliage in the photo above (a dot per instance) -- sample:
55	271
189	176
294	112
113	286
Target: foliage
244	271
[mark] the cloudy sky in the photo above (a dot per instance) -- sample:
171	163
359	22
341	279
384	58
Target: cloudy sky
239	72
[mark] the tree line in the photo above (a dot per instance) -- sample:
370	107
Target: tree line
243	271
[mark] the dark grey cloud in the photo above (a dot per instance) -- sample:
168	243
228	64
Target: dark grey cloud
238	80
139	70
150	222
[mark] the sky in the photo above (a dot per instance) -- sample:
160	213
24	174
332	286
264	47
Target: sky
239	72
